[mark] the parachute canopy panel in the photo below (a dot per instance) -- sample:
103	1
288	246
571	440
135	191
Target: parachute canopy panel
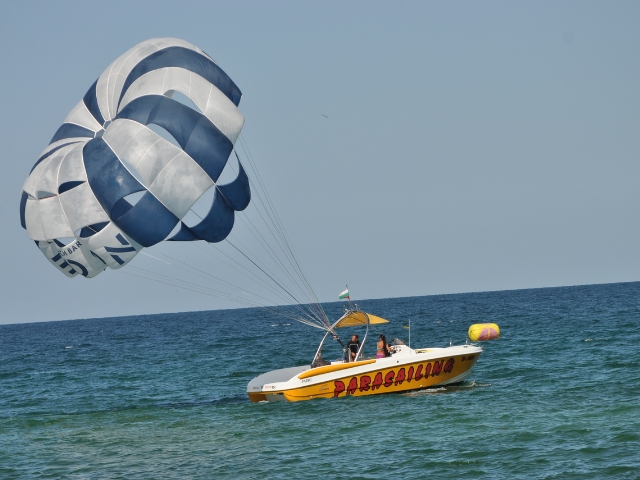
106	150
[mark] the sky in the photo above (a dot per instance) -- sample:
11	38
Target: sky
410	148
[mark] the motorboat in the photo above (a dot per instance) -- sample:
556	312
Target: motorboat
405	369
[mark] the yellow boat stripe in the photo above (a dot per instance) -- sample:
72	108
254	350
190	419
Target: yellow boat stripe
333	368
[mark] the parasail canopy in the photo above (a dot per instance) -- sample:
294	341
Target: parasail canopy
108	184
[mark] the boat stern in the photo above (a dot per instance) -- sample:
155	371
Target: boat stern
265	387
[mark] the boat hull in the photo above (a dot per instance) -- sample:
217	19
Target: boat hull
414	371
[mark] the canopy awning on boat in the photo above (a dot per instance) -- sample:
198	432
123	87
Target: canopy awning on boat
358	318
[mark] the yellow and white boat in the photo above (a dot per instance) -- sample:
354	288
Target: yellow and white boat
405	370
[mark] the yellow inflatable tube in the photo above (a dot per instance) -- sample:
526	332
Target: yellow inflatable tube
480	332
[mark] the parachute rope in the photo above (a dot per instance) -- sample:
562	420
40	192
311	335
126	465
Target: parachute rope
193	287
263	301
275	219
263	271
245	271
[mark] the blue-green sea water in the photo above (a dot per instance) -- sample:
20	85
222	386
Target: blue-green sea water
163	396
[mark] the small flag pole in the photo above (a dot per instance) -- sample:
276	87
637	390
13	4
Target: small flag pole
408	328
346	295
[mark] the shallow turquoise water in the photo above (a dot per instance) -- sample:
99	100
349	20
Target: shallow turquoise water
163	396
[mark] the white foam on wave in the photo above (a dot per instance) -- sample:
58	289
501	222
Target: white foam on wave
473	384
427	391
449	388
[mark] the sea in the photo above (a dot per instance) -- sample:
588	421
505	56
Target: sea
164	396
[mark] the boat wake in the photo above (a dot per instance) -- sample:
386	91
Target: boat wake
426	391
447	389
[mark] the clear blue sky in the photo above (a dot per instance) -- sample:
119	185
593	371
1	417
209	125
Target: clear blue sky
469	146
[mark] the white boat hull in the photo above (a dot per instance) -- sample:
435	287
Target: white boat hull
405	370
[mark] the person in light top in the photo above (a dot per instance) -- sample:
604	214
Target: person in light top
384	349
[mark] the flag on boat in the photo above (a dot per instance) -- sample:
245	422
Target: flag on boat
344	294
406	326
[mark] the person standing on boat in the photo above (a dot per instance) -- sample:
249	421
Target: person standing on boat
352	348
383	347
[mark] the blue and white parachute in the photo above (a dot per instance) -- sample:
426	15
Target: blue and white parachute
105	151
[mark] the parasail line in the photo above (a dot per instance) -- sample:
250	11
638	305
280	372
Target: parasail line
280	228
255	232
229	284
276	219
243	254
145	253
272	275
246	272
270	252
289	255
279	283
219	280
207	291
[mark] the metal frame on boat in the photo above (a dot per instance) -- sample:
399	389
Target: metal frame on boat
405	370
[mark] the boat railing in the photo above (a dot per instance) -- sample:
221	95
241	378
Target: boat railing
346	352
364	340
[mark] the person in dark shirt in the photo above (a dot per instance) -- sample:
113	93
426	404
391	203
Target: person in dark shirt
352	348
